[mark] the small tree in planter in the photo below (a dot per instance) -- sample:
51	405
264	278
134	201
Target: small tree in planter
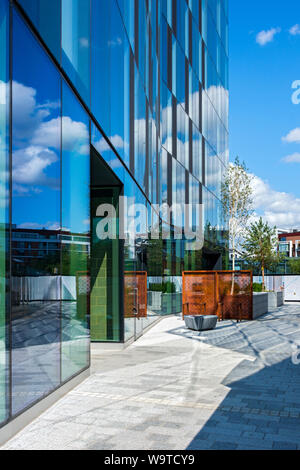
236	203
261	247
236	196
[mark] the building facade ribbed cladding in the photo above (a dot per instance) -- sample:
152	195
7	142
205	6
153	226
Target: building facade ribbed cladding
100	98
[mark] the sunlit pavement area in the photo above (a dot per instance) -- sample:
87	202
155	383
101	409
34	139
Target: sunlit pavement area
237	387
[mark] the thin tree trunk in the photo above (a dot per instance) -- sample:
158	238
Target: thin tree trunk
233	267
263	277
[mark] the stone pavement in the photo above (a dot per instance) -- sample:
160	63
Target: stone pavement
232	388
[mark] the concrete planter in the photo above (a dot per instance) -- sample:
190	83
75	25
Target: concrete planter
260	304
165	304
171	303
265	302
154	301
280	299
275	300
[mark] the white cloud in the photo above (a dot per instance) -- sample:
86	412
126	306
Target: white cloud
27	115
115	42
219	96
84	42
116	140
295	30
280	209
4	192
293	137
47	134
294	158
36	226
74	132
37	132
30	164
3	93
264	37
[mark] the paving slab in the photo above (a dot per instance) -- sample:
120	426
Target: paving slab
235	387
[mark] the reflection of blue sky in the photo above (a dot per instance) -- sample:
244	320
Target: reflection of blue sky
75	165
36	133
261	109
37	142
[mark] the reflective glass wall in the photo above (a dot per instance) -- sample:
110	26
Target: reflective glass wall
75	235
154	77
4	208
45	220
36	196
142	85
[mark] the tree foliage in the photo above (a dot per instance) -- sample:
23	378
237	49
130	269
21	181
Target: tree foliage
237	203
260	246
294	266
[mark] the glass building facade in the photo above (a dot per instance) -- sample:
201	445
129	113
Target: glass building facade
101	99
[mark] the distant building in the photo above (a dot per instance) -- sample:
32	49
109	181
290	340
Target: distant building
289	243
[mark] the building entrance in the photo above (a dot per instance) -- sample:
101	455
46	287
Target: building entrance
106	307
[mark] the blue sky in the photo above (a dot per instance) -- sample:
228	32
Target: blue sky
264	62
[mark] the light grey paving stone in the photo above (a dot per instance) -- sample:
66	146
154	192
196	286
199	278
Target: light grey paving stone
231	388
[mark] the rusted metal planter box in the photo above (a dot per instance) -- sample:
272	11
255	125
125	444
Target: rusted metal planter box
227	294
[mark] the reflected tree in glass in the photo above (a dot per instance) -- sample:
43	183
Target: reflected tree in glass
75	235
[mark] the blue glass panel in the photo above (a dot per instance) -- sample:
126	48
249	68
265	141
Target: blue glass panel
127	8
46	16
4	216
140	131
102	147
110	74
36	221
76	27
75	235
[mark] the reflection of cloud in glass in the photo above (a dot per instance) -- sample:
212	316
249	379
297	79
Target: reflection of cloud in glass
46	133
84	42
215	122
27	115
4	176
35	226
116	140
4	193
115	42
29	166
37	139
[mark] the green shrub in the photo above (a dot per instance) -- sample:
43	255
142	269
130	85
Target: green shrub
155	287
257	287
165	287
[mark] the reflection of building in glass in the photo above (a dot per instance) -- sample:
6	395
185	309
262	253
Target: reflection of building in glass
30	245
109	98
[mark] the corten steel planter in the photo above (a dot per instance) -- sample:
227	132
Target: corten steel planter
227	294
135	294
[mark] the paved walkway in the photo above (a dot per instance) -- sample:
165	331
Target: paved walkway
232	388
